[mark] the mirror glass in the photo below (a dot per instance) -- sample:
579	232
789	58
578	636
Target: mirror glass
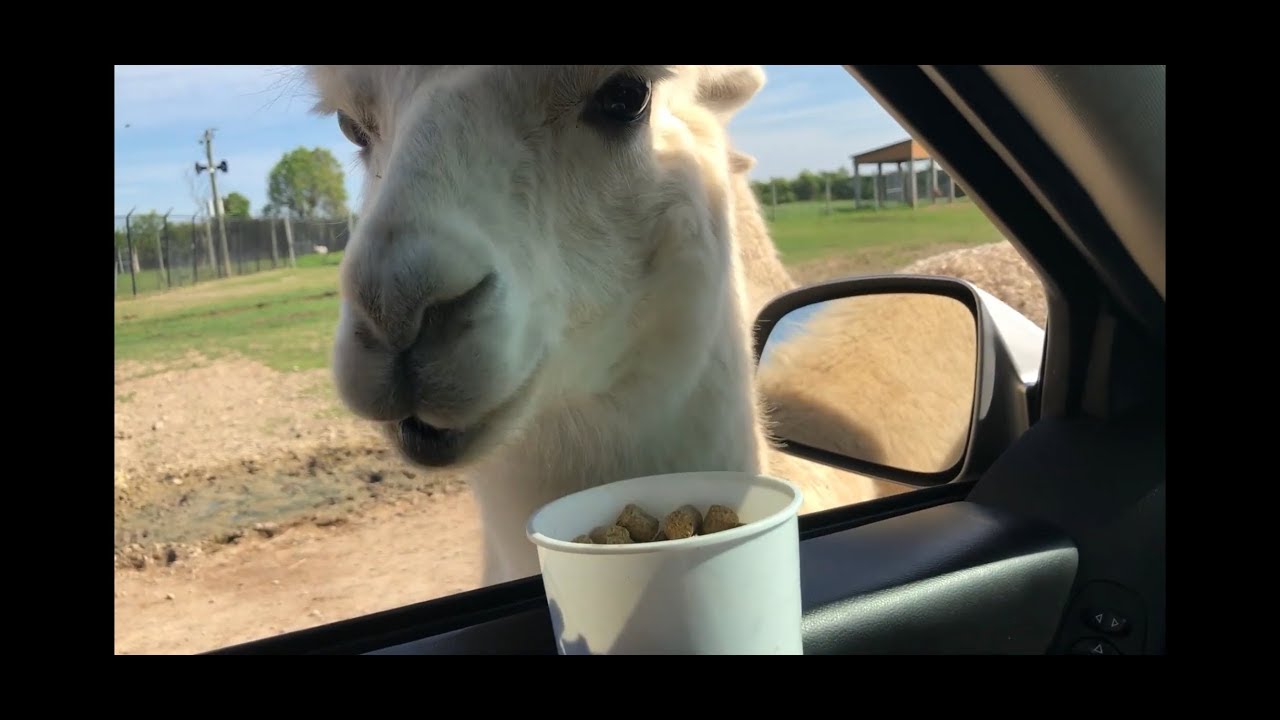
885	378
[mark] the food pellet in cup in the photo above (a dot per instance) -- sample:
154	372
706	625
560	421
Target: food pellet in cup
642	526
683	522
634	525
610	535
719	518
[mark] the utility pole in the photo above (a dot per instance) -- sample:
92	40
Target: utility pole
217	202
166	262
133	257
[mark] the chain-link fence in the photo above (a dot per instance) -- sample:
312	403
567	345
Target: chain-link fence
891	184
155	252
885	188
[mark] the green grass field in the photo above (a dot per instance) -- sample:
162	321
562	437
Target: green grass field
285	318
803	232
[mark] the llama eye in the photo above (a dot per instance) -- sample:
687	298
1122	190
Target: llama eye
624	99
354	132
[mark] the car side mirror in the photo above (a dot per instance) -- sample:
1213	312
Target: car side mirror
915	379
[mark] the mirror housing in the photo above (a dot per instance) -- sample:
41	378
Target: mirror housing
1007	351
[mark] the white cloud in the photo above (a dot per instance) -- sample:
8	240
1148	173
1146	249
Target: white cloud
148	173
158	96
814	138
777	95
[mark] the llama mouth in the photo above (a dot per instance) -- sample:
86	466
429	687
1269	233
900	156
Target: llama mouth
429	445
432	446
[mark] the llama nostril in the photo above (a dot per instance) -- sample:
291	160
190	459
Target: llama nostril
365	337
446	319
397	324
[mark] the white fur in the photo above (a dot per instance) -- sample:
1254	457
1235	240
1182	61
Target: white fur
627	268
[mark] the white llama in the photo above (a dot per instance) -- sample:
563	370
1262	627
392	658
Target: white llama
554	279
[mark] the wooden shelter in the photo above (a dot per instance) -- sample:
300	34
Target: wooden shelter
904	155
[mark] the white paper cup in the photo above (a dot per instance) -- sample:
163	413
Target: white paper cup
735	592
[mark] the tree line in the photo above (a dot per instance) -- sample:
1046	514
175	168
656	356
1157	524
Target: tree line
812	186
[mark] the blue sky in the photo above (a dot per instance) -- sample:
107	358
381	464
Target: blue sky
807	117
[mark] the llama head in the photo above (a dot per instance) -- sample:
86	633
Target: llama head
519	226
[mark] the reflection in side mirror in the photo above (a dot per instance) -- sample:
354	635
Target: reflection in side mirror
883	378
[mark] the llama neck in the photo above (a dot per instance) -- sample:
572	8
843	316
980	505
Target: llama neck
766	276
689	405
680	415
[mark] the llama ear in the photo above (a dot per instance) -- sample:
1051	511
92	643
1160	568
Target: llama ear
724	89
740	162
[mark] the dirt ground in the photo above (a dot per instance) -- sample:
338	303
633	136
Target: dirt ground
248	504
376	560
997	268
